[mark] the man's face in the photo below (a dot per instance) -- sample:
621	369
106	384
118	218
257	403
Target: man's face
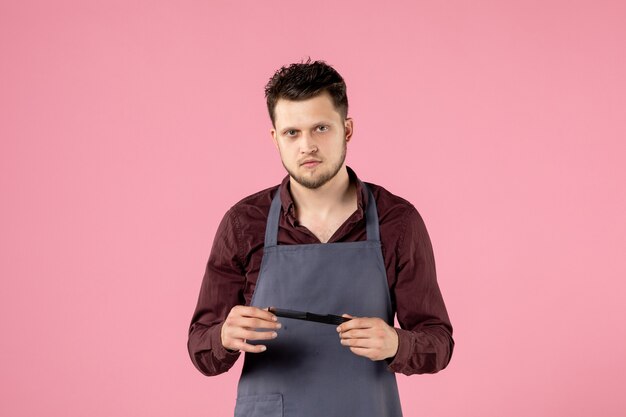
311	137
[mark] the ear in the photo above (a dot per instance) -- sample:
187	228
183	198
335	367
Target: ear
273	134
349	128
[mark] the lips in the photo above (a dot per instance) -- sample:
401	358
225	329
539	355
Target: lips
310	162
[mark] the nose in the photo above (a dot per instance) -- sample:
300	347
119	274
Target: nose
307	144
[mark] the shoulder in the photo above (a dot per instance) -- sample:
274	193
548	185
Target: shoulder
252	208
389	204
399	219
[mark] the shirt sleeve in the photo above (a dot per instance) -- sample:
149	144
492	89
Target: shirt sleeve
221	289
425	341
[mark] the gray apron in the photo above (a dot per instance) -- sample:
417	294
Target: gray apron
306	371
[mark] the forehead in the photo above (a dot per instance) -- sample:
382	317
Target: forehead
304	112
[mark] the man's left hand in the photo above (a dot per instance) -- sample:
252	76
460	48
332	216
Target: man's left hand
370	337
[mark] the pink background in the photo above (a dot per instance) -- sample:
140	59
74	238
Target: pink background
129	127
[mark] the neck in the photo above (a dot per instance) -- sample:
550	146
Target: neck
323	200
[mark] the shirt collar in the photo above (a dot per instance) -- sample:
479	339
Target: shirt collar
289	206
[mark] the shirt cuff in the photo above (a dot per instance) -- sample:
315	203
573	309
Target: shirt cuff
399	362
219	351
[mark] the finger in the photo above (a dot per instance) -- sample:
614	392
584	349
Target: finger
360	343
367	353
355	334
248	311
244	334
246	347
253	323
356	323
253	312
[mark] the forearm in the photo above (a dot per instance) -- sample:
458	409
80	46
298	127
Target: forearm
427	350
425	339
206	350
220	290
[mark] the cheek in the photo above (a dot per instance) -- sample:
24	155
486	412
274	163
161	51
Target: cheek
291	149
287	151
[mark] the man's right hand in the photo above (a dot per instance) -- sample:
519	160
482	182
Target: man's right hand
240	325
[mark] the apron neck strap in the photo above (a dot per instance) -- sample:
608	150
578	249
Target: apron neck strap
371	218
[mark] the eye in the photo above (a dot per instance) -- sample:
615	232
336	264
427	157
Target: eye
322	128
290	132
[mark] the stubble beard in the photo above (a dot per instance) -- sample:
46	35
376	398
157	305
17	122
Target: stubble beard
313	183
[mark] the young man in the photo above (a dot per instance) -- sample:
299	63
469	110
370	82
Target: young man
325	242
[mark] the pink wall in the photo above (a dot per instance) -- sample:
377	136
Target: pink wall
128	128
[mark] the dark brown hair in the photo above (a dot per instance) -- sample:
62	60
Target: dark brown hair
304	80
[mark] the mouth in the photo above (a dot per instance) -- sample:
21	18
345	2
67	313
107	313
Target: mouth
312	163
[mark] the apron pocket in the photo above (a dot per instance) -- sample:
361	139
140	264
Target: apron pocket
264	405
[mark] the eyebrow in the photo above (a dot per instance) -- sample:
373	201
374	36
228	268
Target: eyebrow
321	122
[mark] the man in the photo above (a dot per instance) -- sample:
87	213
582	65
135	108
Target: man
323	242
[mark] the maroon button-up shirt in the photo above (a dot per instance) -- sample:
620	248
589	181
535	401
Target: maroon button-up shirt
425	337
